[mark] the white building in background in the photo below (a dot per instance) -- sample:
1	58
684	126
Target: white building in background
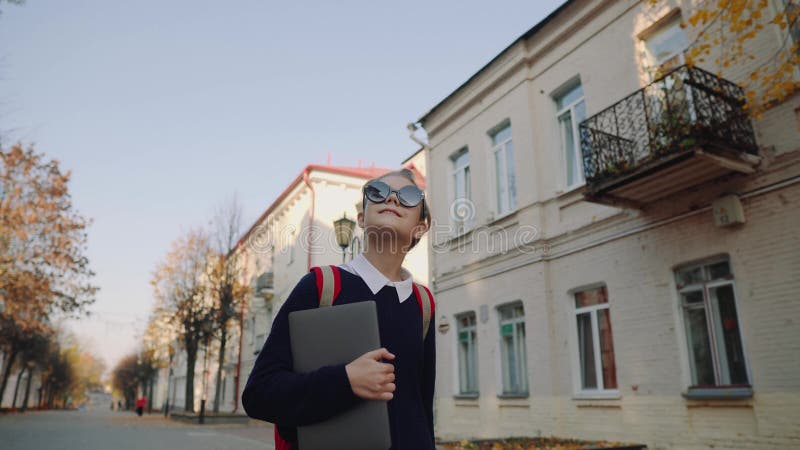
623	262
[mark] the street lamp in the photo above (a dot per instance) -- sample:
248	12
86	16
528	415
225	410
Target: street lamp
344	232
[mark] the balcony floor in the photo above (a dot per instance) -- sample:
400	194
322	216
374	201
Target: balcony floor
668	175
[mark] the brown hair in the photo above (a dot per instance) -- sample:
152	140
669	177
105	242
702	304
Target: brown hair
425	214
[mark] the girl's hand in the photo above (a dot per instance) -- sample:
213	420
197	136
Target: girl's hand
370	378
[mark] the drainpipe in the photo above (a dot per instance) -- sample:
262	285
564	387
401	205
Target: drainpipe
310	216
412	128
241	341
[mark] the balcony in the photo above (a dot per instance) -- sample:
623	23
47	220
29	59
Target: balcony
684	129
264	286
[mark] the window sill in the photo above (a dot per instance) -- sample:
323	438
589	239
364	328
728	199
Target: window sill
467	396
568	190
719	393
520	395
463	233
502	217
598	395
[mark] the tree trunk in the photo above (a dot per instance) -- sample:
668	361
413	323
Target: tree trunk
150	395
16	388
223	339
7	371
39	392
191	359
51	397
27	390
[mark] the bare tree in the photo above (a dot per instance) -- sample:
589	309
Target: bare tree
180	287
223	278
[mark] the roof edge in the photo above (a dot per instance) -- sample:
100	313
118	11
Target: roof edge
351	171
532	31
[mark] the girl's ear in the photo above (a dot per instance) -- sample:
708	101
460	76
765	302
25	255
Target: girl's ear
420	229
360	219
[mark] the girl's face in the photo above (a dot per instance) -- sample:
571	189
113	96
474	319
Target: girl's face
391	217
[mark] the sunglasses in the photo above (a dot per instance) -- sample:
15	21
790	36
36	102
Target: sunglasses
378	192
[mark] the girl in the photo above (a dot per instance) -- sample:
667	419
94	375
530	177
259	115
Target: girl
394	217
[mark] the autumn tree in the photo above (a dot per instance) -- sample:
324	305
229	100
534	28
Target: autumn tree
125	378
43	267
180	287
33	357
723	35
226	289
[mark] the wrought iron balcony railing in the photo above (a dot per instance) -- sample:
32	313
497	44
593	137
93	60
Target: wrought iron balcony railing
686	108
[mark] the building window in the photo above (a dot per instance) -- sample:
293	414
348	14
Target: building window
467	357
463	211
512	349
792	10
665	47
252	331
292	245
714	341
598	371
571	112
224	382
505	184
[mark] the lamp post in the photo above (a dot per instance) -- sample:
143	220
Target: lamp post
344	232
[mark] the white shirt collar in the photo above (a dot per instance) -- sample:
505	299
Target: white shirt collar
375	280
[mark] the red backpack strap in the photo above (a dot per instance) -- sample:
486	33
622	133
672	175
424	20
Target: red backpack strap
329	283
281	444
427	307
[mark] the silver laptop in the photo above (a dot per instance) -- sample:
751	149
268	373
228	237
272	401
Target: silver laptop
337	335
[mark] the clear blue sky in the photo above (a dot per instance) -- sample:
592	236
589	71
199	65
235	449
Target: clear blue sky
164	109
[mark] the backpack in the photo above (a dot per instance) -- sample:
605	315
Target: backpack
328	287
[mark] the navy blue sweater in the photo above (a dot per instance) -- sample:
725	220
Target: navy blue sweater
276	394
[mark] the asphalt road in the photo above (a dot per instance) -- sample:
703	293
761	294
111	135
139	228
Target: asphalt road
98	429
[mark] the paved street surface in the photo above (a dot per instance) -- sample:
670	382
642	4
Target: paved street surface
98	429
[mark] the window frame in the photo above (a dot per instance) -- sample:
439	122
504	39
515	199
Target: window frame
473	346
521	368
652	66
502	148
565	89
579	390
712	320
461	227
252	330
292	244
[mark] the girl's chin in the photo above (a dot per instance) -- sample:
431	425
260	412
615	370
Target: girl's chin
383	231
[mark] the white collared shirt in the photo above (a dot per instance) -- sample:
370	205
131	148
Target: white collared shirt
375	280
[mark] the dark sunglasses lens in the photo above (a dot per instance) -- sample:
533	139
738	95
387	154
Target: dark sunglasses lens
410	195
377	191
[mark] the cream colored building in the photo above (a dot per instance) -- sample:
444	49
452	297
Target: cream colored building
294	234
631	277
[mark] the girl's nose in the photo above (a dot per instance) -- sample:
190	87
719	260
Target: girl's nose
393	198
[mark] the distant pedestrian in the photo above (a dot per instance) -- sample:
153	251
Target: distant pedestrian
119	405
140	403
